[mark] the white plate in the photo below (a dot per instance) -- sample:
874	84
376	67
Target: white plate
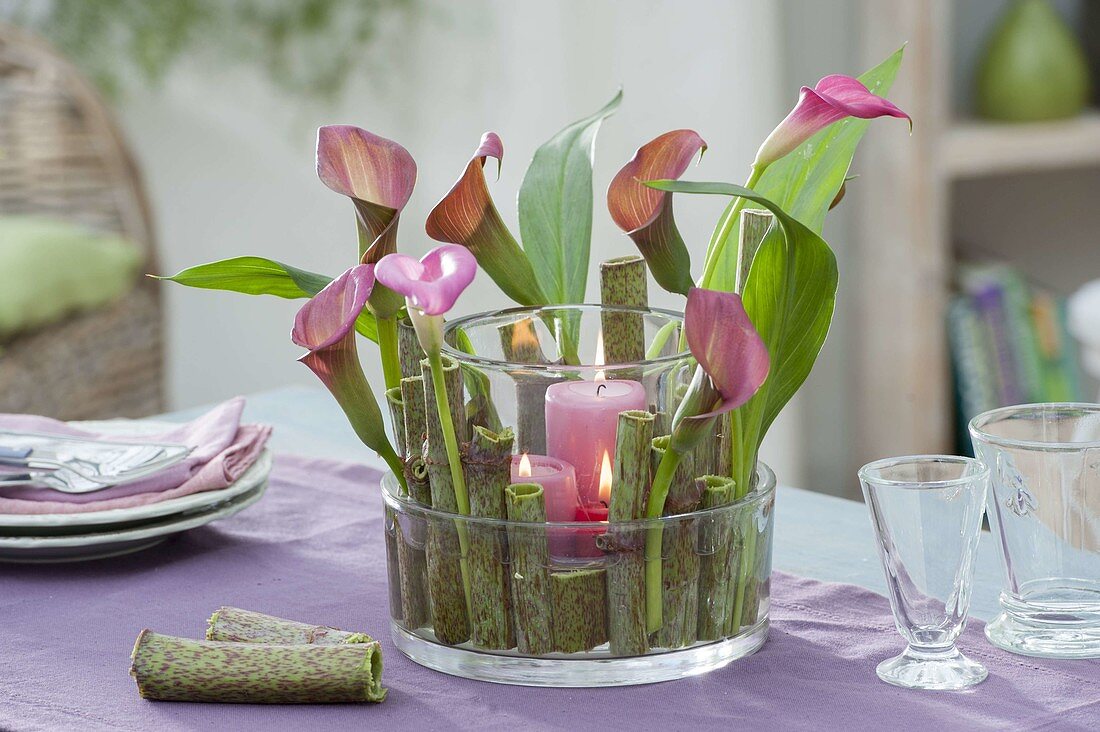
41	549
57	523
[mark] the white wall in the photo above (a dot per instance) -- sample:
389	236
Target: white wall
229	160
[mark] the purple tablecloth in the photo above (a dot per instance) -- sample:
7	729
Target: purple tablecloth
312	550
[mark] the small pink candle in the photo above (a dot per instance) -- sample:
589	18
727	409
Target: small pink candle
558	481
559	489
582	418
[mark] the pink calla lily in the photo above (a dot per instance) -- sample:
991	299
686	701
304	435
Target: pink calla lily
733	362
645	214
726	345
377	174
432	284
831	100
468	216
326	327
329	317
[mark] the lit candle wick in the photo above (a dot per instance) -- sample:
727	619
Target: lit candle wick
525	466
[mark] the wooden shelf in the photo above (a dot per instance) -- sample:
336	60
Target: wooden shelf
974	149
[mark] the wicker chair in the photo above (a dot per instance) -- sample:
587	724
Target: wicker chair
62	155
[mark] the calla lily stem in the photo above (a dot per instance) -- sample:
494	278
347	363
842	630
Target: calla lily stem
454	458
388	352
656	505
454	461
722	233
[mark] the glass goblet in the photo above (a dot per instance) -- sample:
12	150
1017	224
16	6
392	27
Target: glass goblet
927	516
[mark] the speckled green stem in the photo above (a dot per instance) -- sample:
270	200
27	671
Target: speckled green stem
397	418
715	547
416	434
393	532
743	573
488	472
679	554
623	282
480	409
447	552
580	609
410	536
754	225
232	624
626	560
530	568
723	456
519	344
409	352
705	455
761	569
179	669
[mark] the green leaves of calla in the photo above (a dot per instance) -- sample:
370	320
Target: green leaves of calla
260	276
555	208
555	215
789	296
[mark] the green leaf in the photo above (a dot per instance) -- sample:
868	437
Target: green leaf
252	276
555	208
260	276
789	296
806	181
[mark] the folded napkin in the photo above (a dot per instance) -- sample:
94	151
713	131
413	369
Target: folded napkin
222	450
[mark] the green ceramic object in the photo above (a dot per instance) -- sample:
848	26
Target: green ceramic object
1033	68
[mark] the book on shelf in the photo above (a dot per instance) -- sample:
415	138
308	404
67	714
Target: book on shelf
1009	344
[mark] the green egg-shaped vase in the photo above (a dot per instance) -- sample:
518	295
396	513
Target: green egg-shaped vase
1033	68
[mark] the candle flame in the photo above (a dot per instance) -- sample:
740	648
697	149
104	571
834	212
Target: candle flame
599	359
525	466
605	479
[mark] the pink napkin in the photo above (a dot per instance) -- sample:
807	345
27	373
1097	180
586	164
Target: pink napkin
222	449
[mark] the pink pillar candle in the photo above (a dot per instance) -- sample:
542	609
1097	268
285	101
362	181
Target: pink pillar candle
582	418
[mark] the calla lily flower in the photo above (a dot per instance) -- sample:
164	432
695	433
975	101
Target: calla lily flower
430	285
831	100
378	176
733	362
645	214
467	216
326	327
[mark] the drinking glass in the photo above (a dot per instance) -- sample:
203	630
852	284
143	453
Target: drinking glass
927	515
1044	507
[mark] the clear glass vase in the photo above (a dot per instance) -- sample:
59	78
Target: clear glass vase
574	594
1044	509
580	623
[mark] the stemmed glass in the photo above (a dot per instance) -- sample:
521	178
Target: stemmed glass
927	515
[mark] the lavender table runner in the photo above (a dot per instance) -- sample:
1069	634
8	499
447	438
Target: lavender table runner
312	549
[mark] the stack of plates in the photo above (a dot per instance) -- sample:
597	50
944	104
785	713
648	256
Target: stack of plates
96	534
